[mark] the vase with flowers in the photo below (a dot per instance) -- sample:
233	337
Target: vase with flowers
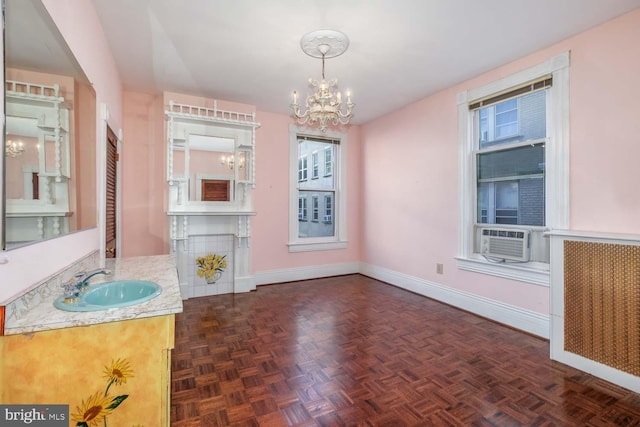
211	266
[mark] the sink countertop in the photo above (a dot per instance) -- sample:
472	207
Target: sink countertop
39	314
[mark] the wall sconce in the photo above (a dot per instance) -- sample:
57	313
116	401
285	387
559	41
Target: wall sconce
230	161
14	149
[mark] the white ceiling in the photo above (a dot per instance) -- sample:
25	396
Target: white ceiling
401	50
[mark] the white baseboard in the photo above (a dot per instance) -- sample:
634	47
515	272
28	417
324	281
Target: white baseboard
244	284
525	320
305	273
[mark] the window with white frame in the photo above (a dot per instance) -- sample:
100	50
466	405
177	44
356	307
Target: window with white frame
315	208
327	192
328	209
510	165
302	208
314	165
513	137
328	161
302	168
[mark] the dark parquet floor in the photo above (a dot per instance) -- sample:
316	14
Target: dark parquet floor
352	351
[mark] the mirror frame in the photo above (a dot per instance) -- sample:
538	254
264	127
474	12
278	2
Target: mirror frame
179	132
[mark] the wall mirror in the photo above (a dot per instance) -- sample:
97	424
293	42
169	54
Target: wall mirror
50	130
206	164
209	165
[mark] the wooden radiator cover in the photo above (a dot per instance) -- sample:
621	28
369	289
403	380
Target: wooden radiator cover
602	303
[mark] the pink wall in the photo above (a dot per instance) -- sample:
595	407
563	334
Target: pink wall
85	154
145	227
418	149
605	127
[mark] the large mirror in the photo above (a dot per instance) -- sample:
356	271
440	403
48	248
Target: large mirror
50	128
209	165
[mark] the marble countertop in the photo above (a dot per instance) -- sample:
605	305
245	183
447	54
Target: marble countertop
37	312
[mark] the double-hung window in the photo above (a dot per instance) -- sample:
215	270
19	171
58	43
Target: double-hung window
513	138
328	161
302	168
314	165
510	165
302	208
315	208
326	191
328	208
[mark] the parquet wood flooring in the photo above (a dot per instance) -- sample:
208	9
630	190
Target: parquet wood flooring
353	351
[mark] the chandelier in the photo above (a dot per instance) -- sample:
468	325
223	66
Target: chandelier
14	149
323	106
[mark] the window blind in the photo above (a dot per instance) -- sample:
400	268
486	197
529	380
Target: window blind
316	139
512	93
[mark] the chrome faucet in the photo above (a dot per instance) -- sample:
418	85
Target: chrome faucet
84	276
79	282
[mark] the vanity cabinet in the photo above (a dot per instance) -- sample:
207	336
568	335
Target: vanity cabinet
210	178
67	366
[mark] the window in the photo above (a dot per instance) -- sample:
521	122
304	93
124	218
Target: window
328	209
315	208
314	165
326	191
513	138
302	208
510	171
328	161
302	168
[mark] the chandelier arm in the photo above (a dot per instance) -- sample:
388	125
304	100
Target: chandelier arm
346	114
296	111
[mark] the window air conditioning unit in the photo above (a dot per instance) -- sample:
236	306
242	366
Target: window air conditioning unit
505	243
327	218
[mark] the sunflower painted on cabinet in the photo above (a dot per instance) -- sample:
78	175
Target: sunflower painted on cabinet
95	409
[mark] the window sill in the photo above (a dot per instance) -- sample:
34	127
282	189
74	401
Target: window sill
317	246
535	276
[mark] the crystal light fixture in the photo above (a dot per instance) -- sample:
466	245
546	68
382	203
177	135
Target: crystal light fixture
230	161
14	149
323	106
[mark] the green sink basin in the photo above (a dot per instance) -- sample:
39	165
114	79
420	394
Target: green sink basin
116	294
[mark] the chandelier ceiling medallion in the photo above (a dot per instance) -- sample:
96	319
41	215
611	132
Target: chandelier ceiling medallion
322	106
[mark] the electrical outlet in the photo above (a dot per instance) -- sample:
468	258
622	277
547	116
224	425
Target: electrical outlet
439	268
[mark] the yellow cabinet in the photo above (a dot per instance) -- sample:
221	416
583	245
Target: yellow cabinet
77	365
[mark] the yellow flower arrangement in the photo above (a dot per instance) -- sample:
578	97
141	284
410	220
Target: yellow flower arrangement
211	265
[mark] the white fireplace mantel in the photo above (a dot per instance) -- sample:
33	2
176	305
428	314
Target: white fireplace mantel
215	143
